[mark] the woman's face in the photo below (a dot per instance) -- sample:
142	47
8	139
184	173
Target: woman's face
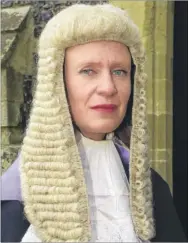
98	84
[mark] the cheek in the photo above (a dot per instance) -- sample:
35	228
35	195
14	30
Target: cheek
72	89
77	98
79	93
124	94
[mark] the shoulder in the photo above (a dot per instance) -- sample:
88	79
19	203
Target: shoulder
157	179
167	223
160	186
13	221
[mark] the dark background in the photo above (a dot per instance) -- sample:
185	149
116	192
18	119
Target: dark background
180	144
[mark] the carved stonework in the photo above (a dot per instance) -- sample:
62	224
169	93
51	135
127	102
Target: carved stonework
16	39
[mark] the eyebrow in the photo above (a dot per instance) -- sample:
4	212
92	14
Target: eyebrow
89	63
98	63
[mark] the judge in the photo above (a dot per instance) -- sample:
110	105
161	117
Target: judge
83	173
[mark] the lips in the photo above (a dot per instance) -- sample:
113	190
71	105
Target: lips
105	107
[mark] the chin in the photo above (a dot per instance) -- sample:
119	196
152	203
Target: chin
104	127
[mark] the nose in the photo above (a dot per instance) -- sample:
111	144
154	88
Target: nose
106	85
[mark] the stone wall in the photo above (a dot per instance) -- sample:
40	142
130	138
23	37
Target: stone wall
16	62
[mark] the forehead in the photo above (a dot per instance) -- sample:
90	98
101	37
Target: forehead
98	51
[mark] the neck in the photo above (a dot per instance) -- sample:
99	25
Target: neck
94	136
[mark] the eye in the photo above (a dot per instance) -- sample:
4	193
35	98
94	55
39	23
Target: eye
87	71
120	72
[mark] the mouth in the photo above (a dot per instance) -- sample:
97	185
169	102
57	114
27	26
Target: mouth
104	107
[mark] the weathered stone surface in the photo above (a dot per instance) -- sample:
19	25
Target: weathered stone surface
14	86
11	135
132	8
5	136
11	86
10	114
91	2
8	155
35	58
21	59
8	43
149	20
6	3
37	31
3	84
48	5
16	135
13	19
9	3
25	2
